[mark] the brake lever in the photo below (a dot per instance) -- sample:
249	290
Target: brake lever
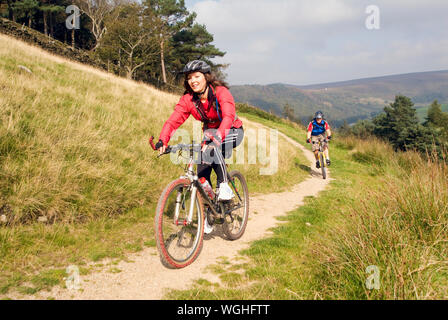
167	151
151	143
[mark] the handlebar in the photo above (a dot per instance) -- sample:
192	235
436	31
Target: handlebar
326	140
151	142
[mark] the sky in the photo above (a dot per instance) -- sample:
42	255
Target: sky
306	42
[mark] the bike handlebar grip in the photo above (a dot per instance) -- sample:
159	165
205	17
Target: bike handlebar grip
151	142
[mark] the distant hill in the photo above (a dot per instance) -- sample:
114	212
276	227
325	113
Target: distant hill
348	100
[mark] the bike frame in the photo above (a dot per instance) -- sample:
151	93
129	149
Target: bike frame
192	176
195	187
321	153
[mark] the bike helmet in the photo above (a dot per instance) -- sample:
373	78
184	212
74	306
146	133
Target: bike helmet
319	115
197	66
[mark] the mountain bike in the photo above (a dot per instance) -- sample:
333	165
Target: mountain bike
183	206
322	157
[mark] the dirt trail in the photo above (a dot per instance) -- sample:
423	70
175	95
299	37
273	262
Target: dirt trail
144	277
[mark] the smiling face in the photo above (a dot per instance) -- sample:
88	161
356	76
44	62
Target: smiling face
197	81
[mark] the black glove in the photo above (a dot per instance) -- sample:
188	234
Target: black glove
159	145
308	141
329	138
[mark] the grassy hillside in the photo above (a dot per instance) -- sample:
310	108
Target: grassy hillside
383	209
50	44
349	100
74	155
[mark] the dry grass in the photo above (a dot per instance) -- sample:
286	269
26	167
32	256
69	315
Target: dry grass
74	145
384	209
74	139
400	225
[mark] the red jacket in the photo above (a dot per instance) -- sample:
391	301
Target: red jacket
185	107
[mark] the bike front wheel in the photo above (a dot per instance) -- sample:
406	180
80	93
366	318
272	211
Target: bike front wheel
179	224
237	210
323	166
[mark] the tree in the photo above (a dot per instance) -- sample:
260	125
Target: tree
11	15
97	11
399	125
25	8
345	129
437	123
172	17
48	9
131	34
288	113
436	117
195	44
363	128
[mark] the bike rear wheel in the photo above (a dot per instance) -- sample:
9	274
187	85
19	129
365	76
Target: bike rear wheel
179	241
235	222
323	166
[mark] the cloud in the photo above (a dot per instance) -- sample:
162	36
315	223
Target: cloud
312	41
249	16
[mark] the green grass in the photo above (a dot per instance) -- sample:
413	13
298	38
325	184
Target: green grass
391	213
286	127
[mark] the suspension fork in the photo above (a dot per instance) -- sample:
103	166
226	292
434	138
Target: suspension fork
194	191
321	152
178	204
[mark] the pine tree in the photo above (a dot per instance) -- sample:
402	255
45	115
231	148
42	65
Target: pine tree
436	117
195	44
48	9
400	126
172	17
25	8
437	123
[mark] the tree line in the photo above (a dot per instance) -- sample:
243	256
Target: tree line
398	124
149	40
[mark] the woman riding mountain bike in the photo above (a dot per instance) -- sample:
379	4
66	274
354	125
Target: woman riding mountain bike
209	100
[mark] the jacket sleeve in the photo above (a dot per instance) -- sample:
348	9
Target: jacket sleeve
227	105
310	127
177	118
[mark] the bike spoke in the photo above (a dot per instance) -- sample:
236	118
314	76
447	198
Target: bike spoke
237	210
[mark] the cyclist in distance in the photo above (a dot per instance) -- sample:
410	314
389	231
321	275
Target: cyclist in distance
316	130
209	100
